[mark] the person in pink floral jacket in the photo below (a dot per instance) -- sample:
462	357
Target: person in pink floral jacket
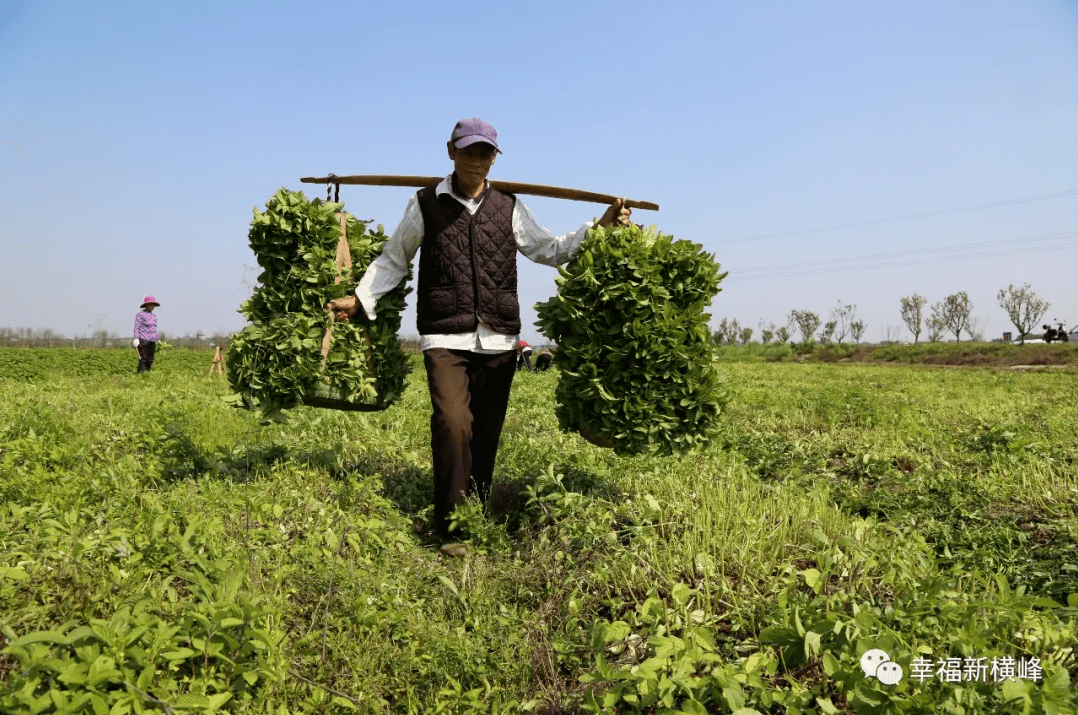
145	341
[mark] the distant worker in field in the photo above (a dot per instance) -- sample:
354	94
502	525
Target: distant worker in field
467	305
544	361
524	356
145	341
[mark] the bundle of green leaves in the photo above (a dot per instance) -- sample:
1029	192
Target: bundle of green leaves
276	362
634	347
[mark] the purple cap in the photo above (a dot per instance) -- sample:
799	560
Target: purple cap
471	130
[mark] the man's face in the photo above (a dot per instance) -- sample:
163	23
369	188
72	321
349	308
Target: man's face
473	162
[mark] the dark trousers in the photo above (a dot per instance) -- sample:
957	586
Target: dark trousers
145	355
469	393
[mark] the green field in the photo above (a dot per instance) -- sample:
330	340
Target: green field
161	551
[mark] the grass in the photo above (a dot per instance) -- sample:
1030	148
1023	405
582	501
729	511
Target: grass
965	354
927	511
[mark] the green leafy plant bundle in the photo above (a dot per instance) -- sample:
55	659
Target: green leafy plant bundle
637	363
276	362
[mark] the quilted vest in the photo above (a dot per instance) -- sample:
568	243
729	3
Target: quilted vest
467	265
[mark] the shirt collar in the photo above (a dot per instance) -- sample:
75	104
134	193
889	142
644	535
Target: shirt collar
445	186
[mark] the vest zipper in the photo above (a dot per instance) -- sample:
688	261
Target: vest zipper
475	267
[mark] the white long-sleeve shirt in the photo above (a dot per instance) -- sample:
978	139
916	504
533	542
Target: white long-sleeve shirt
387	270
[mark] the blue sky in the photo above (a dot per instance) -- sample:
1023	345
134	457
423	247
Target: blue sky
135	142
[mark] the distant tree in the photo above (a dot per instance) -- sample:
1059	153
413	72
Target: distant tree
746	335
857	329
828	331
727	332
976	329
767	332
806	322
842	317
911	313
1023	307
936	327
733	331
954	312
893	332
782	334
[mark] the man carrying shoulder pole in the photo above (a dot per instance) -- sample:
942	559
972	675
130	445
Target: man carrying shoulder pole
467	306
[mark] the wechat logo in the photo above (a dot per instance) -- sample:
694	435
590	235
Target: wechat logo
877	664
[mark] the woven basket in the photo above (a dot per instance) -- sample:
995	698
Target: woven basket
331	398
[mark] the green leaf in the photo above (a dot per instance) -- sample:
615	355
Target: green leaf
780	636
343	702
812	579
448	583
178	654
754	662
1016	691
191	701
681	594
14	573
216	701
42	637
827	707
99	704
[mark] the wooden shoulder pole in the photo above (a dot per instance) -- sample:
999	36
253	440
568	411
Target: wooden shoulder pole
554	192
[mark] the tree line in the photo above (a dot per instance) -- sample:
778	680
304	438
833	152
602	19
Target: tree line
103	339
952	315
48	338
1023	306
843	323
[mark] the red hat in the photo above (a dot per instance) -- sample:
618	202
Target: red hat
149	300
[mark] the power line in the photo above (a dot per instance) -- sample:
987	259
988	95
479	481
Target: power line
904	217
884	260
974	246
793	272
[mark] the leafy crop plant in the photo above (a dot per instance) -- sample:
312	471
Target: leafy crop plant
276	362
637	362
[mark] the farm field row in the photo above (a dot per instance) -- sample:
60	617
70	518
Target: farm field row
163	550
35	364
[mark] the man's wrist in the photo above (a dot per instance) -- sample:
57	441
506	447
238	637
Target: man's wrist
361	305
